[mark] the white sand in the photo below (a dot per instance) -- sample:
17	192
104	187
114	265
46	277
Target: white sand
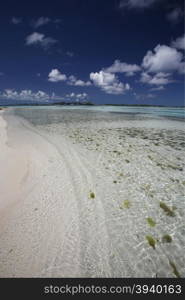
50	227
40	234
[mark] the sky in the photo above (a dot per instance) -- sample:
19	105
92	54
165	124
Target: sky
103	51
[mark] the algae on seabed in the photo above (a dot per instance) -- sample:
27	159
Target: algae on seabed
92	195
125	204
167	209
151	222
166	238
151	241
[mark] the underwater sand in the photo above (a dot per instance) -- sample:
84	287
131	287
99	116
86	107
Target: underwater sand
96	195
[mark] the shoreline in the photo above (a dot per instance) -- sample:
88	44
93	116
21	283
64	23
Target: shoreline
88	191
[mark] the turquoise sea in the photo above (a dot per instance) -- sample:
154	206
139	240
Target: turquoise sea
171	112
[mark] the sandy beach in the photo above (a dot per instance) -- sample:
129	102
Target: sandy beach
89	194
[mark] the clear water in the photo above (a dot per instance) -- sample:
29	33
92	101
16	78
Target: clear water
149	111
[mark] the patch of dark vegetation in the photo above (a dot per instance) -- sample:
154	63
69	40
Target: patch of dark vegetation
151	222
125	204
160	165
175	167
175	271
92	195
149	156
166	238
167	209
151	241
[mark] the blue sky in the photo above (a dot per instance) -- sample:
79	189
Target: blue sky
117	51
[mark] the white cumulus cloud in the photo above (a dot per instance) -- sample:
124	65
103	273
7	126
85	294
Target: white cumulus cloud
55	75
122	67
109	83
40	22
72	80
179	43
77	96
24	95
157	79
163	59
40	39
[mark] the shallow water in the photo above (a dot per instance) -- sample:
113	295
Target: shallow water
52	114
133	162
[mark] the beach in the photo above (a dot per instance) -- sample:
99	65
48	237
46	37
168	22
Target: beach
91	194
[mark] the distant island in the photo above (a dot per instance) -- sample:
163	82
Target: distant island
88	103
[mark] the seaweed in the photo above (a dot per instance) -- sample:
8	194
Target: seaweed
127	160
151	222
149	156
167	209
175	271
166	238
92	195
125	204
175	167
151	241
160	165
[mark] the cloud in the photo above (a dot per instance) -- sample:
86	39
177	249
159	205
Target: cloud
121	67
39	39
163	59
77	82
29	95
158	88
136	4
109	82
175	15
40	22
16	21
157	79
55	76
150	96
144	96
11	94
69	53
179	43
80	96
